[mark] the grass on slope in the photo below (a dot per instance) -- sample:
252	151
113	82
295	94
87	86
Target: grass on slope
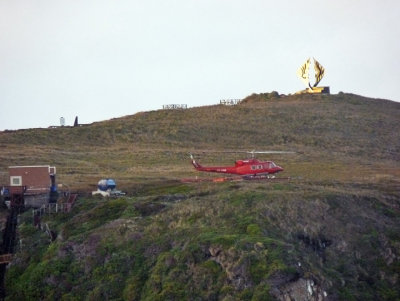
341	132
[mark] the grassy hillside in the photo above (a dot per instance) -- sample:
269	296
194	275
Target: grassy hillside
330	130
332	232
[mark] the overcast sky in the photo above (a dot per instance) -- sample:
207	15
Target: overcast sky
103	59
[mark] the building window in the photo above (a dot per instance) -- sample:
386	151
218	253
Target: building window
16	181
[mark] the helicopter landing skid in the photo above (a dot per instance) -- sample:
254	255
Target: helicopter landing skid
236	179
265	178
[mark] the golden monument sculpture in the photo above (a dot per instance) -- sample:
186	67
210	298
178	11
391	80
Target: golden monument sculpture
303	73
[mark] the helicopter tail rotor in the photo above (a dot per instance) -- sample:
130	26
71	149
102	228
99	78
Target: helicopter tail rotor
195	164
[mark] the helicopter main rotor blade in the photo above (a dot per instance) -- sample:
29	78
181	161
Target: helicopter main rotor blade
245	152
271	152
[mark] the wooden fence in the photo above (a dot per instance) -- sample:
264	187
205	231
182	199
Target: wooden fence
5	258
230	102
175	107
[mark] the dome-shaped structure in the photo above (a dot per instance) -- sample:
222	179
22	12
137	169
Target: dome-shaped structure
106	184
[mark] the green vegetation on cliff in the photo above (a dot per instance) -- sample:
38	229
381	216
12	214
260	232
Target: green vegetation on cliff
332	231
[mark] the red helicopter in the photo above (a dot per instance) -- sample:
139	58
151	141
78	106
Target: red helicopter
248	168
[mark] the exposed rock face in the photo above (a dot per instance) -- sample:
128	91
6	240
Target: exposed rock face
236	269
300	290
284	287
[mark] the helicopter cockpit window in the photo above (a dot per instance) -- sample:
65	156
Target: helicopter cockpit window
253	167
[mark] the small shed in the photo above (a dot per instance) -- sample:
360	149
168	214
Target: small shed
34	179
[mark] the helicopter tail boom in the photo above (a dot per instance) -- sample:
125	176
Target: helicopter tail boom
218	169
